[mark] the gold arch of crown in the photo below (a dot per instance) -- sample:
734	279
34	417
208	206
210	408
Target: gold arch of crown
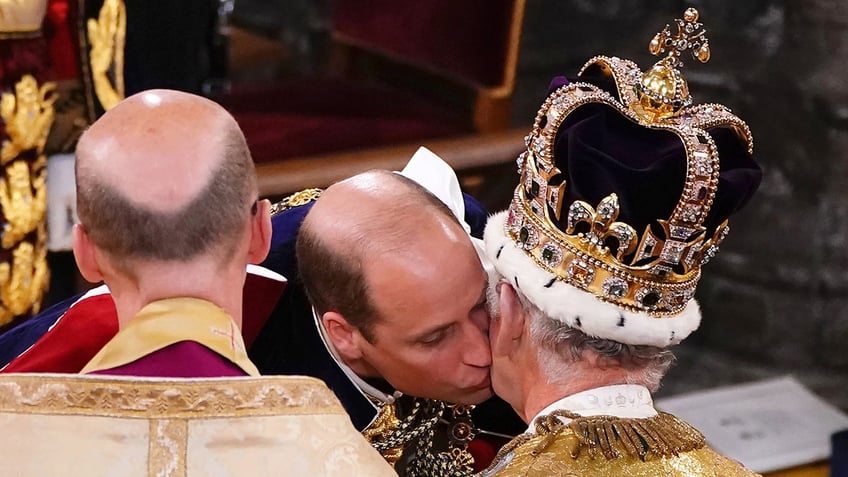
661	273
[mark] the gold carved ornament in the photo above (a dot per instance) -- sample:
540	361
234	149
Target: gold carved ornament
22	283
27	114
107	35
23	198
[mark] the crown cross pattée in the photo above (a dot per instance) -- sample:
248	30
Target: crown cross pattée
691	36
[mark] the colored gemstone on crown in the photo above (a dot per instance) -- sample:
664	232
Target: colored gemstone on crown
580	273
648	297
552	255
614	288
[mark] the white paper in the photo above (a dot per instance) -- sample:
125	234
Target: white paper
767	425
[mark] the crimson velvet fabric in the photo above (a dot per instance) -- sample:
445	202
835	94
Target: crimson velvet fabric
62	40
304	117
599	151
64	338
467	38
70	343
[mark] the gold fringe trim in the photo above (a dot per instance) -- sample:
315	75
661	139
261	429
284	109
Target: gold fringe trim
611	437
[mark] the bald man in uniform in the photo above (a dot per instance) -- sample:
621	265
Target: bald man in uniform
395	322
383	254
147	172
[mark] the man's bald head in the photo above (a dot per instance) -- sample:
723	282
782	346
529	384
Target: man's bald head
376	210
354	221
164	175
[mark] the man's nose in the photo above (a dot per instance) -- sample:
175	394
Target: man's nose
476	351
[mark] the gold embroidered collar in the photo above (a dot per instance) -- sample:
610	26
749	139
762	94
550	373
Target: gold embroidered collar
165	322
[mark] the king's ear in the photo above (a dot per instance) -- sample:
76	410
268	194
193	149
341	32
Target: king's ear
509	329
86	255
344	336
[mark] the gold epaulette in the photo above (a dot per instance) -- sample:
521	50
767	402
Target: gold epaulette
607	445
296	200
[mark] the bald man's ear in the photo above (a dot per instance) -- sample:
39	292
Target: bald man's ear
85	254
260	232
345	337
507	330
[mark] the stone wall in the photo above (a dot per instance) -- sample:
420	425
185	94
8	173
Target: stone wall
775	298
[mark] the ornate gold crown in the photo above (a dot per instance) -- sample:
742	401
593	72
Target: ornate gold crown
655	273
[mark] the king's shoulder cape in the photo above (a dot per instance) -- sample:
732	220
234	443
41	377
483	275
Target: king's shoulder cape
606	445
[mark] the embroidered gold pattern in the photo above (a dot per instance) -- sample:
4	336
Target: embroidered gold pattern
168	448
142	398
107	35
606	445
173	427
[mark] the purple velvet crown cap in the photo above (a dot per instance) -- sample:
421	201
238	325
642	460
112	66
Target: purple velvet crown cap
599	151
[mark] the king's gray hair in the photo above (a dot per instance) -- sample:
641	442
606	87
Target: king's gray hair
560	347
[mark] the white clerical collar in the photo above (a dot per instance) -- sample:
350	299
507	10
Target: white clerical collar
621	400
366	389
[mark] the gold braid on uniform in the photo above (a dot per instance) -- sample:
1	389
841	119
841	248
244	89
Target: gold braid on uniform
295	200
417	431
390	435
608	437
456	461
